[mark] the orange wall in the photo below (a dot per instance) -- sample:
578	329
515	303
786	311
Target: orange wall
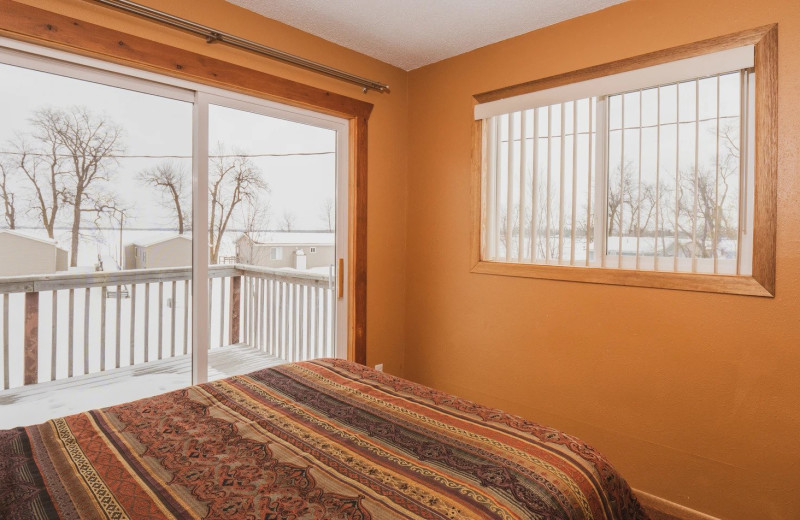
695	397
387	132
700	406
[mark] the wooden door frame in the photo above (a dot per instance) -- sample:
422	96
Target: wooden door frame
39	26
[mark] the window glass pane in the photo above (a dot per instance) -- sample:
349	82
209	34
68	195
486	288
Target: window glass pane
541	193
272	196
95	182
676	206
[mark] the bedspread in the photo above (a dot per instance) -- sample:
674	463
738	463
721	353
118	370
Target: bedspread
311	440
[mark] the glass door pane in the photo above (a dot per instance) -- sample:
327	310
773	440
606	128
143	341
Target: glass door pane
95	244
272	238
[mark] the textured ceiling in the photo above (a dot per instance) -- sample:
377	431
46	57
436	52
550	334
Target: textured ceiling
413	33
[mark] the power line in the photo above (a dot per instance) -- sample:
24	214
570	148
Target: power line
124	156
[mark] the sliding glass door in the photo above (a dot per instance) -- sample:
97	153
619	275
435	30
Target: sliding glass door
158	233
272	214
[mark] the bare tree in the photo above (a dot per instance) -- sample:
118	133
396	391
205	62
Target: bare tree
171	181
8	196
256	217
81	149
288	219
327	212
233	179
39	161
621	193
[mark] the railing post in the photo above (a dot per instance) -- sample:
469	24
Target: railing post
233	315
31	338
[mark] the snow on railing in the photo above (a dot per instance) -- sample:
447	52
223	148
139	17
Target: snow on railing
99	321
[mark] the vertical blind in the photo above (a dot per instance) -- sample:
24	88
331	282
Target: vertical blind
652	179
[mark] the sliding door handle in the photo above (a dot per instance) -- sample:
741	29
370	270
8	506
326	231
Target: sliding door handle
340	280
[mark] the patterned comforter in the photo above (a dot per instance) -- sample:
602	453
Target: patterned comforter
311	440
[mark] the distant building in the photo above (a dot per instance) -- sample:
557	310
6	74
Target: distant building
282	254
22	254
171	251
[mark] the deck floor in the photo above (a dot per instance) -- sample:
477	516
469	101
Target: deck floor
38	403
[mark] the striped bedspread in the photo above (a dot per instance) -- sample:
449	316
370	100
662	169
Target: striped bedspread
311	440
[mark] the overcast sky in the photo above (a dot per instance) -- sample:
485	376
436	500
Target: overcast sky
158	126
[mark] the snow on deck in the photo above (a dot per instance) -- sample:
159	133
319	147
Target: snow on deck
34	404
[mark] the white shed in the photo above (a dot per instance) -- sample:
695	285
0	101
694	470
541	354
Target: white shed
22	254
295	254
170	251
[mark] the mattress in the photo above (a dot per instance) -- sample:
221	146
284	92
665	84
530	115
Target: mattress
309	440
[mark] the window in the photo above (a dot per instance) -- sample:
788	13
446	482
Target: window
650	170
313	249
276	253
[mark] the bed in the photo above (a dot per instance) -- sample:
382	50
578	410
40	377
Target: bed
309	440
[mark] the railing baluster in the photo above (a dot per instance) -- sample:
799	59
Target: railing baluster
86	308
309	311
281	313
268	348
258	311
267	315
245	310
234	310
186	284
300	317
160	320
31	352
132	344
210	303
222	312
274	318
316	321
295	326
117	333
172	318
325	295
146	322
71	333
5	341
249	306
103	296
54	336
262	316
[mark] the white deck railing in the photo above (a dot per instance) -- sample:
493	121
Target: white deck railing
62	325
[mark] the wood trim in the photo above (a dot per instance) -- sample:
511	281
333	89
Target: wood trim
43	27
358	243
27	23
762	282
766	160
714	283
690	50
477	188
654	504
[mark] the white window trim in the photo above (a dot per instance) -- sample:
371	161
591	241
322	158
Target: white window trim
645	77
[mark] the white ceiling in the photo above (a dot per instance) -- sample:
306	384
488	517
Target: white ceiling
413	33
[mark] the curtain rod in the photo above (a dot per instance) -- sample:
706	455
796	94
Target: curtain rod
213	36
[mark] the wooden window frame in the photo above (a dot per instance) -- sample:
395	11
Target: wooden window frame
42	27
762	280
